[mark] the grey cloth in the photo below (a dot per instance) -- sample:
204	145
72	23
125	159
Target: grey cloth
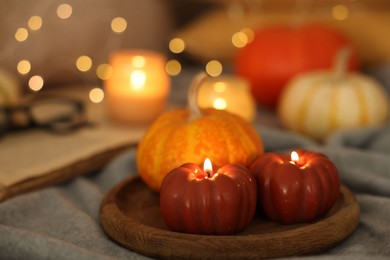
62	221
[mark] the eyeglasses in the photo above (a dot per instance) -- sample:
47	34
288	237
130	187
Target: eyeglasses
55	114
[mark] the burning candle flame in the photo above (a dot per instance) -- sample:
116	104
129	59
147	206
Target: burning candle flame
137	79
294	157
207	167
219	104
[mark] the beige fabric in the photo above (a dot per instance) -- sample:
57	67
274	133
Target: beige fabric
210	36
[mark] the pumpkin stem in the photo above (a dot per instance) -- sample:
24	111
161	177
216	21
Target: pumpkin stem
341	63
193	108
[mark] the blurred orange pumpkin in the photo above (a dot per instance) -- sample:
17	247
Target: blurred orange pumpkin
278	53
191	135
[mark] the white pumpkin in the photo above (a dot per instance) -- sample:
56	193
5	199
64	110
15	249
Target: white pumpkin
321	102
10	92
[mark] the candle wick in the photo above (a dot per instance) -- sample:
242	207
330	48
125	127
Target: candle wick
208	173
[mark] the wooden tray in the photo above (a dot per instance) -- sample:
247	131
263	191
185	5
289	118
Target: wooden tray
130	215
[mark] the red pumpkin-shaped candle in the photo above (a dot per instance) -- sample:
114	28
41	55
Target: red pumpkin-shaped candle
300	188
199	201
278	53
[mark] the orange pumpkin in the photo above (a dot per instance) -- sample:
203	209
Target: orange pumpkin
278	53
190	135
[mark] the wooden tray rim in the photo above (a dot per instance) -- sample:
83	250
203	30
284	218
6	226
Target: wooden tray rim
151	241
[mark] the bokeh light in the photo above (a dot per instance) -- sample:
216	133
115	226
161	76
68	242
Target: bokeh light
35	23
21	34
36	83
214	68
177	45
104	71
239	39
24	67
242	38
340	12
173	67
118	24
84	63
250	34
64	11
96	95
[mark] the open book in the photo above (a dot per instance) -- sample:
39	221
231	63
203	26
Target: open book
36	158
